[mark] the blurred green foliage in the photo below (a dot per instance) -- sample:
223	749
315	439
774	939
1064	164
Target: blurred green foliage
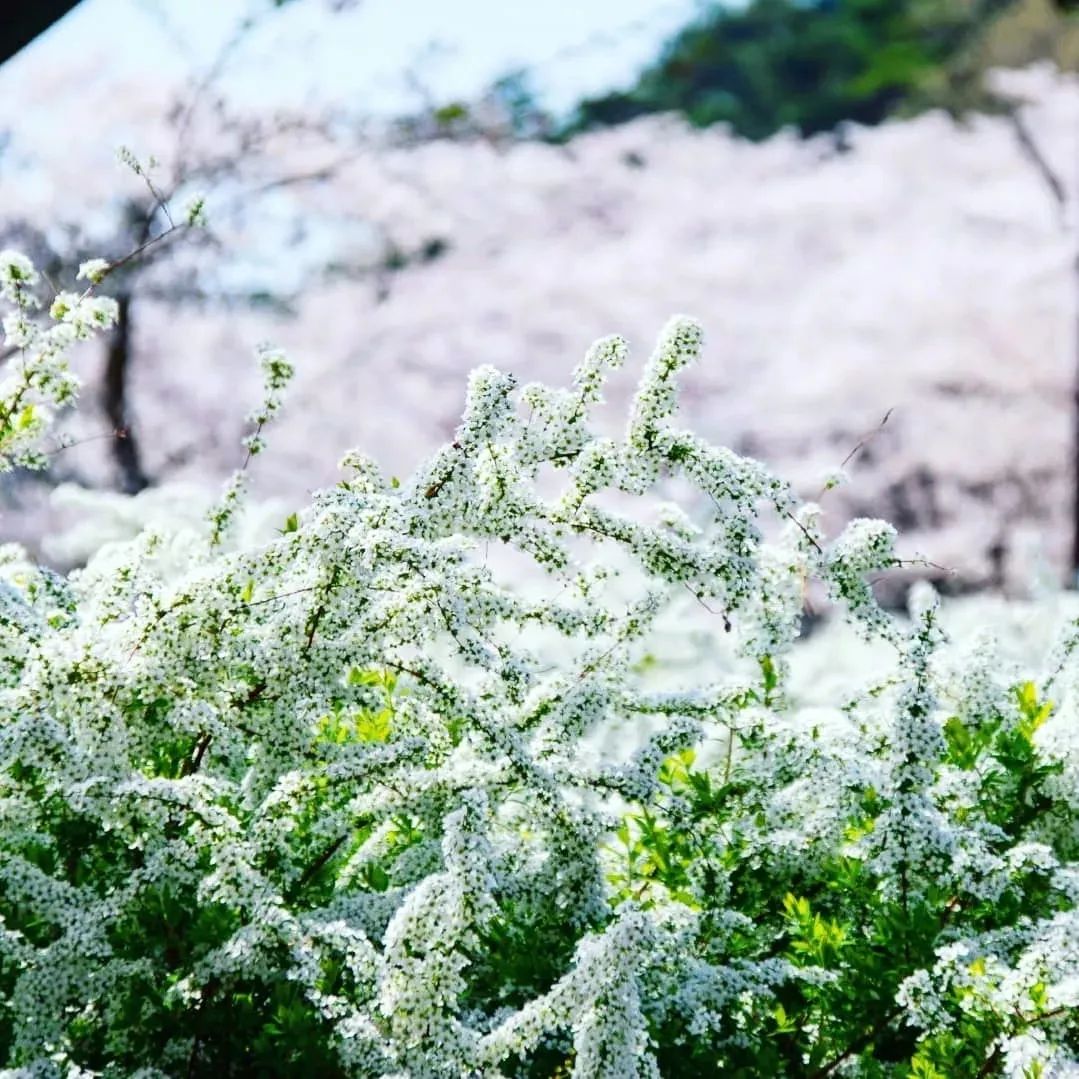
814	64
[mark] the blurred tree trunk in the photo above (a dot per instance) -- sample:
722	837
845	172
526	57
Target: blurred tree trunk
114	399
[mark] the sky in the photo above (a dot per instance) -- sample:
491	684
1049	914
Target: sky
380	50
101	76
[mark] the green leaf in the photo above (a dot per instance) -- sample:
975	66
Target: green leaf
374	726
356	677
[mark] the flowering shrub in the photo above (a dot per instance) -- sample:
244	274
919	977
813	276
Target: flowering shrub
372	800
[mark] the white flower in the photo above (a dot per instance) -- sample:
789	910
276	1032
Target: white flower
93	270
17	275
835	477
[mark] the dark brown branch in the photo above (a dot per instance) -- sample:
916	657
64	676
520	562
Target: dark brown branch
320	610
194	762
144	244
1034	155
319	863
858	1044
805	531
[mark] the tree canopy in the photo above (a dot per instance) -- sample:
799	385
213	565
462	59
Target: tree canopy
813	64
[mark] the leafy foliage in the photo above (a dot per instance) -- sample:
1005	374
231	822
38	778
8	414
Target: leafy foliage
815	64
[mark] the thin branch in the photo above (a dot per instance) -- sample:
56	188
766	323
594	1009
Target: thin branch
858	1044
118	433
319	863
710	610
1033	153
866	439
319	175
143	247
926	563
805	531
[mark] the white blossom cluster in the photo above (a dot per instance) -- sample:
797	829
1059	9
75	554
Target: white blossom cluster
37	380
350	760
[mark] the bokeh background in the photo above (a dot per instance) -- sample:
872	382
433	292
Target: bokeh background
872	206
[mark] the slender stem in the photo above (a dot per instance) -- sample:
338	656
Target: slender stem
858	1044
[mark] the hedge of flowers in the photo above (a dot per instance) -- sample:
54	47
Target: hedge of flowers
359	802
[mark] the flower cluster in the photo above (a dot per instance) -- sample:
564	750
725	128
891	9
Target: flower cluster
38	381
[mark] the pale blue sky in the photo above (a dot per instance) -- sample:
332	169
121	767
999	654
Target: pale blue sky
577	46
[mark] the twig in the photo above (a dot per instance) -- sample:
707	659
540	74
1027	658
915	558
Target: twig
805	531
868	437
710	610
319	611
118	433
319	863
857	1045
143	247
927	564
1041	164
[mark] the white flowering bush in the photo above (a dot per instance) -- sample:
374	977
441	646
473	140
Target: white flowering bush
398	794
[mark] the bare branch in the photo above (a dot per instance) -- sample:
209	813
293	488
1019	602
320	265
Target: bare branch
1034	155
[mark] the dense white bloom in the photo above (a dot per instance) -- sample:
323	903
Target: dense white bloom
351	754
84	313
